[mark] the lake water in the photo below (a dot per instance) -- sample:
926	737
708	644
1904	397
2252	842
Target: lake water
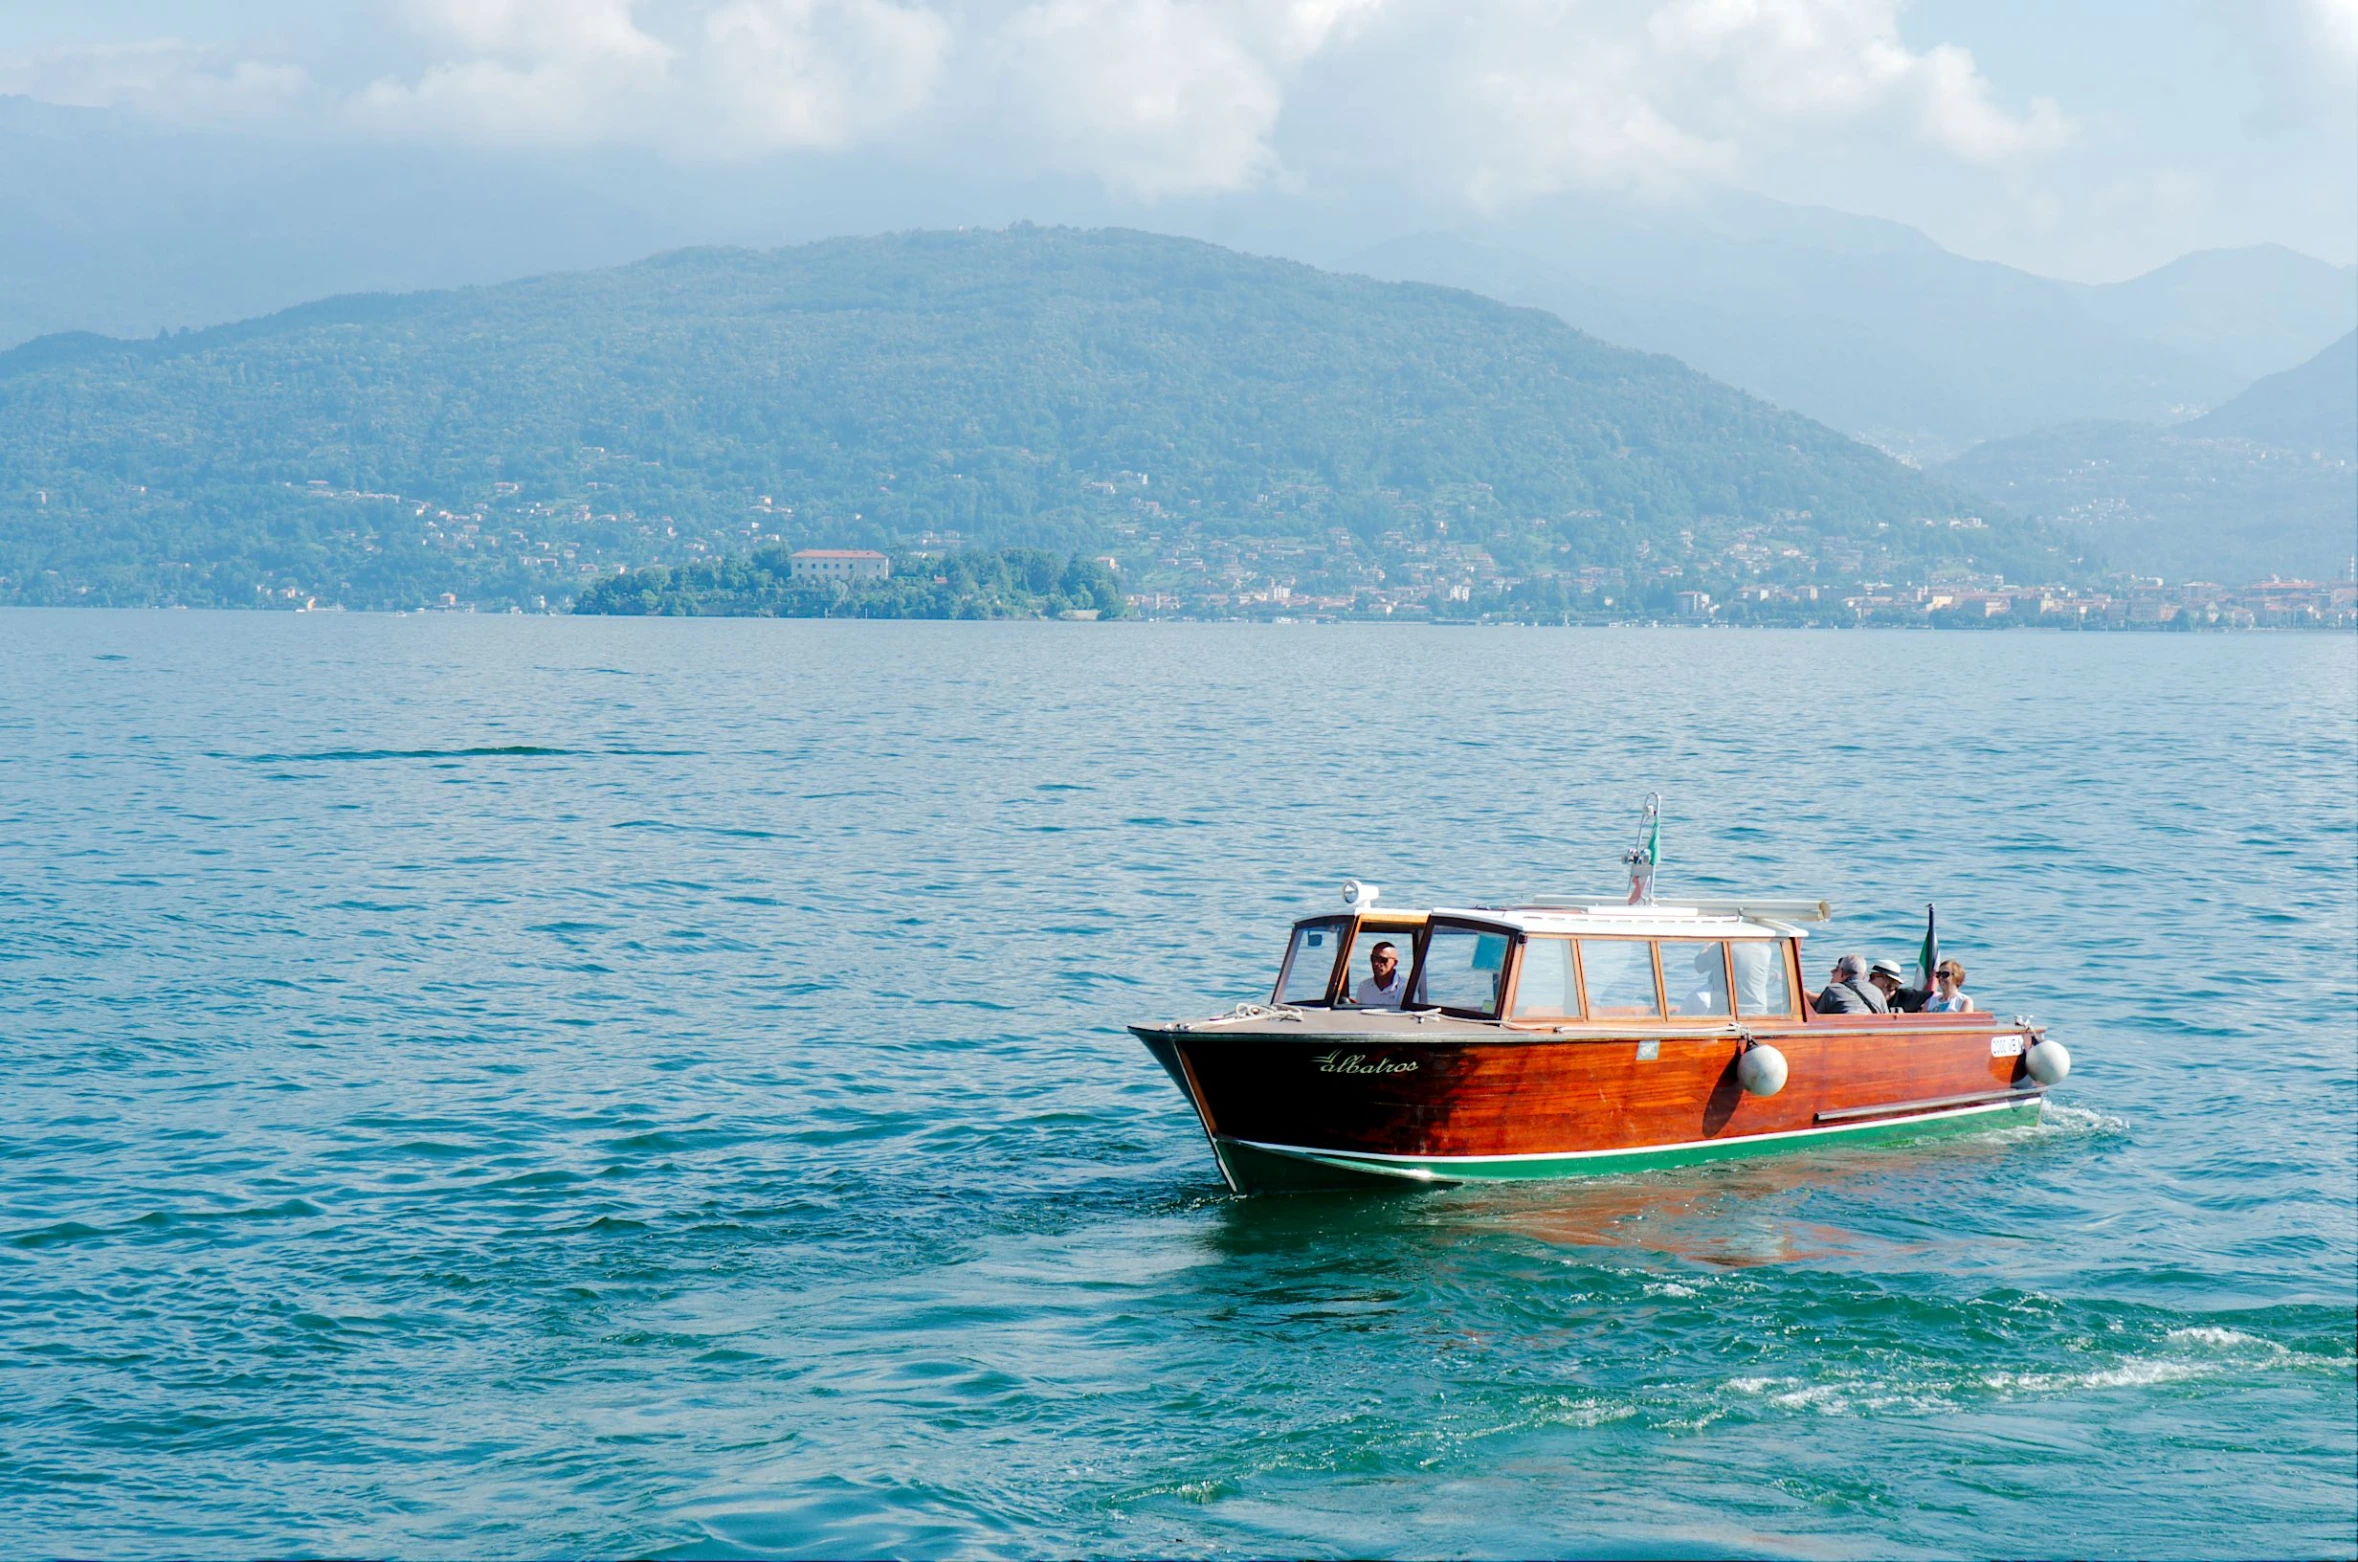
539	1086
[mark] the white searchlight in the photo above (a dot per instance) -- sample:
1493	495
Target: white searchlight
1360	897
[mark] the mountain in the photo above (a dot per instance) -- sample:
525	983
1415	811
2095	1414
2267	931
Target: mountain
119	225
2252	311
2264	485
1875	330
2312	407
1033	386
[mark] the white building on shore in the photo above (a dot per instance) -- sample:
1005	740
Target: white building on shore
844	564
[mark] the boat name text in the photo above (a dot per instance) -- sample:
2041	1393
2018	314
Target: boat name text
1358	1063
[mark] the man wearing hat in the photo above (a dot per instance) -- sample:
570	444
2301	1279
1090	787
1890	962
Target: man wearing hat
1902	999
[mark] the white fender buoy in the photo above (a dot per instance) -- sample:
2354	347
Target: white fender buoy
1761	1070
2046	1062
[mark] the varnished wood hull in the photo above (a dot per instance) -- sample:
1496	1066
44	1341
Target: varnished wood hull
1301	1110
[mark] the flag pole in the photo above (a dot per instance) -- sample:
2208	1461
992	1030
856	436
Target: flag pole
1646	855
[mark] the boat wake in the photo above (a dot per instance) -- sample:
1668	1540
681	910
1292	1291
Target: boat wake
2058	1121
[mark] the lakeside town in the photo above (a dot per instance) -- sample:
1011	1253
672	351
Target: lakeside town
539	557
2142	604
1498	598
1407	579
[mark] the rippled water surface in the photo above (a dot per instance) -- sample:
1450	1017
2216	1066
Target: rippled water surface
549	1086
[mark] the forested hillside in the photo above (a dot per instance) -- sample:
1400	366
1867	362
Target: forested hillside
2313	406
1011	583
2265	485
1876	330
1054	388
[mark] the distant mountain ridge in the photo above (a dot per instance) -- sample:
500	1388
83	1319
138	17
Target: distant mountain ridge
1873	329
122	226
1043	387
2265	485
2313	406
2253	311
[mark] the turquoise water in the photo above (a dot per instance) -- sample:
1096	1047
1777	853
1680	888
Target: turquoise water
537	1086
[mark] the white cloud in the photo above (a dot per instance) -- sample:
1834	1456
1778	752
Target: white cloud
1157	98
1152	96
168	78
1617	93
742	77
1957	114
1832	61
2307	50
526	72
801	73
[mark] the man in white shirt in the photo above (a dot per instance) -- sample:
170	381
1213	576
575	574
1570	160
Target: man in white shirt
1385	985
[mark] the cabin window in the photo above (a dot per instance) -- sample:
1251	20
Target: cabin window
1545	990
1310	961
1461	970
1619	974
1764	987
1695	977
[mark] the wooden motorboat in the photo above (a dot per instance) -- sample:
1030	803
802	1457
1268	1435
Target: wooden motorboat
1571	1037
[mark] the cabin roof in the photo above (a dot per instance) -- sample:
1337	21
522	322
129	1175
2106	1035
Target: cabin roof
1658	921
1765	918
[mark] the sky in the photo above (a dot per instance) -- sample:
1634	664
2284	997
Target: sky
2092	141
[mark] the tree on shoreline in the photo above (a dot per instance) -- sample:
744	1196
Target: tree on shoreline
1008	583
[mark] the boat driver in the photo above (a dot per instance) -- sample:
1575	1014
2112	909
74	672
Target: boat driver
1385	986
1849	991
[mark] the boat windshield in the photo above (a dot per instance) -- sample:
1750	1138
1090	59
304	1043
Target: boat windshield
1460	971
1310	960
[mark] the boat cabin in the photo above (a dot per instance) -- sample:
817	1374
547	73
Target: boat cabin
1546	966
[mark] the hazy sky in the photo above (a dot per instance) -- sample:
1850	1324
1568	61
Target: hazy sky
2089	140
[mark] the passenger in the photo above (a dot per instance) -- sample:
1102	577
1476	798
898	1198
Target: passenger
1710	984
1948	996
1849	992
1385	986
1900	998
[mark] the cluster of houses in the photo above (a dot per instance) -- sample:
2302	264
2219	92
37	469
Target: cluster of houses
2148	604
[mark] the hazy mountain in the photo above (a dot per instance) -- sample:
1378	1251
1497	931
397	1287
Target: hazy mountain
117	225
1872	328
2313	407
2253	311
2265	485
1038	386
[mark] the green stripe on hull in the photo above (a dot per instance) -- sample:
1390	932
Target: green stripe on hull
1270	1167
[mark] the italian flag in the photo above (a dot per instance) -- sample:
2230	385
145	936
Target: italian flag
1928	958
1643	860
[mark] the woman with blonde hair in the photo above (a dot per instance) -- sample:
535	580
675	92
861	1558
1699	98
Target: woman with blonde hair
1948	991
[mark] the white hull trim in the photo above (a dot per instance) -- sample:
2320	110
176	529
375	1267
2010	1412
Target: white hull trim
1437	1168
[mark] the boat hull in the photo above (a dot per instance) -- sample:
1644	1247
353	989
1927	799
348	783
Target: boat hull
1402	1105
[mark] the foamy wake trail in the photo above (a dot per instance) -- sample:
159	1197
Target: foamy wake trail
2194	1353
2056	1118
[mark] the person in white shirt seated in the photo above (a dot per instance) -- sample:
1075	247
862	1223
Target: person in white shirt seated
1385	985
1948	991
